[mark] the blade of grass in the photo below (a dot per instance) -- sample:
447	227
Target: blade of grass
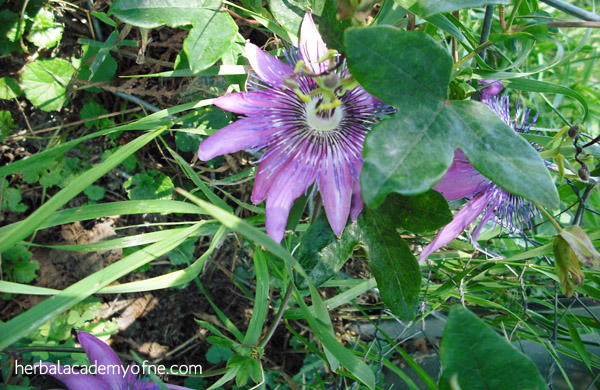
114	208
24	323
83	181
261	300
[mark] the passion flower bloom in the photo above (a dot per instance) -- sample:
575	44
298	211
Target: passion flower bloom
312	119
110	374
509	211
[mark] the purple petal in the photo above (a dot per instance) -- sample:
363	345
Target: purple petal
461	220
248	103
494	87
312	47
335	184
74	381
245	133
288	183
461	179
100	354
270	69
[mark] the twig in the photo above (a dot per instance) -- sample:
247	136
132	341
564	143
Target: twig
85	120
572	10
242	18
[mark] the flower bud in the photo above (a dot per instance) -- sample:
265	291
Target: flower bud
566	264
572	246
584	173
573	131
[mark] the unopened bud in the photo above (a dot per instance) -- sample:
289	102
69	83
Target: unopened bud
574	131
584	173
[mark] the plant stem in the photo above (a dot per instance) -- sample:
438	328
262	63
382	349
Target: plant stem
511	19
548	216
487	26
273	326
572	10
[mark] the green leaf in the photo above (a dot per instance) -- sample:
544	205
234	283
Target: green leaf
216	354
93	110
104	18
321	254
391	260
45	82
213	30
289	13
183	254
105	71
45	31
9	88
422	213
430	7
9	36
420	139
149	185
7	125
22	270
476	357
94	192
187	142
12	200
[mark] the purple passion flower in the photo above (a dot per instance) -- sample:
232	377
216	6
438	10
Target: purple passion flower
486	198
312	118
111	374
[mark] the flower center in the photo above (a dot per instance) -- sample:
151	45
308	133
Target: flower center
322	120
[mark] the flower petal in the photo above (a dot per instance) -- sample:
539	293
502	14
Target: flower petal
312	48
289	182
461	220
100	354
245	133
494	87
249	103
75	381
335	184
269	69
461	179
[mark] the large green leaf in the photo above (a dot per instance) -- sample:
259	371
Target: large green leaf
45	83
477	358
421	213
391	260
410	152
45	31
213	29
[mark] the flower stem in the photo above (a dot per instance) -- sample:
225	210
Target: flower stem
572	10
273	326
548	216
511	19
